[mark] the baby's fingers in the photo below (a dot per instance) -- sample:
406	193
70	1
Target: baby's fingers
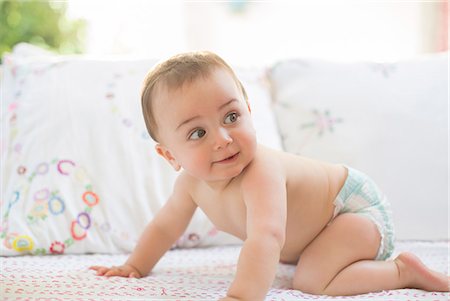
117	271
94	267
114	271
99	269
134	275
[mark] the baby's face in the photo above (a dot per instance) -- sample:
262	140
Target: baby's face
205	127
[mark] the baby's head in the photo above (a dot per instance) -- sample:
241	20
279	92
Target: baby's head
197	110
175	72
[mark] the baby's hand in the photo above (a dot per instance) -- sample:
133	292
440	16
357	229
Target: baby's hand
122	271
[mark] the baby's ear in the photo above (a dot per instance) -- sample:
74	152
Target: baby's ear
166	154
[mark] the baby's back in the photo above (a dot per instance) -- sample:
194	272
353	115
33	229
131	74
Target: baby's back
311	187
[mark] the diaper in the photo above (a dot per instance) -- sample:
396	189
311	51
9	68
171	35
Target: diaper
361	195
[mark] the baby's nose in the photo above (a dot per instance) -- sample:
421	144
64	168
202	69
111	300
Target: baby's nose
222	138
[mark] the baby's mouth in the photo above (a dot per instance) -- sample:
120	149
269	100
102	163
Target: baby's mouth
229	159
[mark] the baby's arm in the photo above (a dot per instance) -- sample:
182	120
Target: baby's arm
160	234
264	192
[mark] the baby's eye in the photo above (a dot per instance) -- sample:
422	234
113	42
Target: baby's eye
231	118
197	134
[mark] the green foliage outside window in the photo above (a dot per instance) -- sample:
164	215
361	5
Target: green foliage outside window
42	23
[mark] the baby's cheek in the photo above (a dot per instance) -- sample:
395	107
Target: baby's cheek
197	163
249	137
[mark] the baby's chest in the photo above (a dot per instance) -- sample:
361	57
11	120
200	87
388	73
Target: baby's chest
226	212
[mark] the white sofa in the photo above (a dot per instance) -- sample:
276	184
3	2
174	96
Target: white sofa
80	176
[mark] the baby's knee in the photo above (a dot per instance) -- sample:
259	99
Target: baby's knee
359	230
308	285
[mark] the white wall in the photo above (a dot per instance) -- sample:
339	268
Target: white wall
261	32
267	31
138	27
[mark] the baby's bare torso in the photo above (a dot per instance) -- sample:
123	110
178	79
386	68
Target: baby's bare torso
311	188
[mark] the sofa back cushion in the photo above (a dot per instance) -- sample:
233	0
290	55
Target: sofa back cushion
388	120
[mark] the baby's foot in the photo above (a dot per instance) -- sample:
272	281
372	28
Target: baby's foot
417	275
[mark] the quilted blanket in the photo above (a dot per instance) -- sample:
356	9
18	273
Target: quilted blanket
182	274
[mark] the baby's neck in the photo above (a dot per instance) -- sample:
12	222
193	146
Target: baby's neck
219	186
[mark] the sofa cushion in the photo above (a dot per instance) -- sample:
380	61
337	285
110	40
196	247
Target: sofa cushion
389	120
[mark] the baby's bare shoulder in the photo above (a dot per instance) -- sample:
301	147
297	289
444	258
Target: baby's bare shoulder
293	167
278	163
266	156
185	182
267	163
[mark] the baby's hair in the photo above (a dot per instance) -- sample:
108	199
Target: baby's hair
176	71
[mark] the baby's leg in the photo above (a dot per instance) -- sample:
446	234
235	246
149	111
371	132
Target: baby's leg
340	262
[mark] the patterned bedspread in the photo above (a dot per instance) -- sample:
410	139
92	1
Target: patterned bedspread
182	274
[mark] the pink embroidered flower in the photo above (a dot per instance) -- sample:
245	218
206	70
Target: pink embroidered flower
57	248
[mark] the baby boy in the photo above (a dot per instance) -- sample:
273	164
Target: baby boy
329	220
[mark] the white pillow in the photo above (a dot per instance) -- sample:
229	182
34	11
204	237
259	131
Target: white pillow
388	120
79	171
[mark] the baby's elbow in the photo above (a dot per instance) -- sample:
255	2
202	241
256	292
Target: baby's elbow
268	234
278	234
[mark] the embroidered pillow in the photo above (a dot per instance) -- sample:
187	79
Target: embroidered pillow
79	171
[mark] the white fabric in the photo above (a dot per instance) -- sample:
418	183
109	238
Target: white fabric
79	172
387	120
182	274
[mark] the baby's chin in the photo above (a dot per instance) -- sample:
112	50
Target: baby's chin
230	174
218	176
223	176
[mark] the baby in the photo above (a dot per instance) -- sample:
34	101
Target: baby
330	220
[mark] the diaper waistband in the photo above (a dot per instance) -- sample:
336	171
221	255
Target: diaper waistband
355	179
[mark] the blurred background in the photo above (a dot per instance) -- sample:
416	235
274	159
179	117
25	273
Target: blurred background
243	32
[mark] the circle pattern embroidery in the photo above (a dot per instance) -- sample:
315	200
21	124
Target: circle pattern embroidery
48	202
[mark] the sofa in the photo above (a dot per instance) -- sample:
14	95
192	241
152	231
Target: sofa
80	177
